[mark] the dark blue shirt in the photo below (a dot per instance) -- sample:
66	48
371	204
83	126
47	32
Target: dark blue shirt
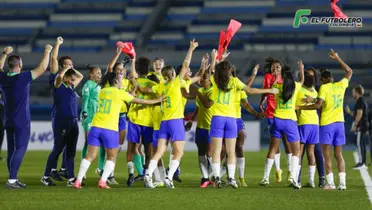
65	100
16	94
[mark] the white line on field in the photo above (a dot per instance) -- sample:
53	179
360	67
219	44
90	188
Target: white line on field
366	178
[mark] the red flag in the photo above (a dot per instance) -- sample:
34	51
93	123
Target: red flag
337	11
226	36
129	49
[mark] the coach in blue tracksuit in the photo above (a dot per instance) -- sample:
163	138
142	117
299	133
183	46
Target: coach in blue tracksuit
65	125
16	90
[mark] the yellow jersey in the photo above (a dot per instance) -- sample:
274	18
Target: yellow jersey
172	107
141	114
124	86
110	101
204	114
333	96
224	102
186	84
157	115
240	95
288	110
307	117
158	75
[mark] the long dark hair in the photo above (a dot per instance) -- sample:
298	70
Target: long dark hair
222	76
269	62
309	81
289	84
316	74
109	78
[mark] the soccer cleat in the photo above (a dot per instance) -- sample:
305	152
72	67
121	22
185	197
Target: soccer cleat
77	184
139	178
169	183
289	177
360	166
278	176
213	180
56	176
205	183
218	182
63	173
15	185
290	182
103	185
71	183
148	182
242	183
310	184
177	178
99	172
22	185
264	182
296	185
159	184
112	181
321	182
342	186
330	187
47	181
130	180
233	183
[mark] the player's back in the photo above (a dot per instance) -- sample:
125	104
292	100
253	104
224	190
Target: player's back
306	117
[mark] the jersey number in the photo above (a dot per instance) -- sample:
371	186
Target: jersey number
287	105
337	101
105	106
225	97
168	102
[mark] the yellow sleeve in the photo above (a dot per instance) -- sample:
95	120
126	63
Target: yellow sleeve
344	83
125	96
156	89
300	95
243	95
323	91
239	84
298	86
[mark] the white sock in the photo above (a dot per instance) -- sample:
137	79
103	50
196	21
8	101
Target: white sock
157	175
161	170
222	170
152	166
107	169
11	181
130	166
289	159
173	165
84	165
268	166
277	161
330	179
210	170
311	173
203	165
342	176
216	167
241	166
298	172
231	170
294	170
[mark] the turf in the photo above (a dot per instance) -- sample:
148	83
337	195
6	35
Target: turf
187	194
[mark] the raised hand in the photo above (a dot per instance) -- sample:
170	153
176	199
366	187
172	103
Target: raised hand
214	54
333	54
225	54
193	44
8	50
59	40
300	65
255	70
48	48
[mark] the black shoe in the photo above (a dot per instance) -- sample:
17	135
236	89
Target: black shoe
223	183
321	182
218	182
176	178
130	180
22	185
55	175
47	181
15	185
63	173
72	182
139	178
358	166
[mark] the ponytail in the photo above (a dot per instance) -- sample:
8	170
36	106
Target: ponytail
289	85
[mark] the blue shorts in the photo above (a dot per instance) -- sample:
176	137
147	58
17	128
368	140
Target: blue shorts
202	136
309	134
270	122
287	127
333	134
109	139
122	122
155	135
135	132
240	124
172	130
223	127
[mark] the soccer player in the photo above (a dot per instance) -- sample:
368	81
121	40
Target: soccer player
157	66
104	130
16	89
272	77
285	123
308	125
172	125
360	125
89	107
223	123
66	128
332	130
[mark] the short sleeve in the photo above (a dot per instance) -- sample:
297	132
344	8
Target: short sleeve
359	104
243	95
267	81
25	77
323	91
344	83
125	96
238	84
156	89
298	86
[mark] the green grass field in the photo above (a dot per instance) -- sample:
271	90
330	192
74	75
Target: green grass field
187	194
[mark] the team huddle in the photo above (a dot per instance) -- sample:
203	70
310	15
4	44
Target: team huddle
147	108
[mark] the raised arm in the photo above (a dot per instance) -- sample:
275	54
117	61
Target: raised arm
186	62
213	61
204	65
59	79
302	74
133	71
54	65
347	69
253	76
110	66
79	78
38	71
6	52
